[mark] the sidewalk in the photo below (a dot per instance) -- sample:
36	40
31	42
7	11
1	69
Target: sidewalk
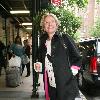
22	92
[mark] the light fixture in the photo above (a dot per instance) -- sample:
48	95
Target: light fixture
20	12
26	24
29	28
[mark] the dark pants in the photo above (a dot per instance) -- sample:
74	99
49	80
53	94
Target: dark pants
2	64
27	66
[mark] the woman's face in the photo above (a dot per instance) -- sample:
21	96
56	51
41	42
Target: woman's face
50	25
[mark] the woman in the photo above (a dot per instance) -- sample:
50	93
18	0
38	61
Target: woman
17	49
2	57
60	60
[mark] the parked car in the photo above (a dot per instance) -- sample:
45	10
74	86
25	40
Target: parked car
90	70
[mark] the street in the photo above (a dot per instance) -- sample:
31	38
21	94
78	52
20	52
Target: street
92	94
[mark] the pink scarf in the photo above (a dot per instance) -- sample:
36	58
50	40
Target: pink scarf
46	86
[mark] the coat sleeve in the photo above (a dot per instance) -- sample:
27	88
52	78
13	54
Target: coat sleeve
73	52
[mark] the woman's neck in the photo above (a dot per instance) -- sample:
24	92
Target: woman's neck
50	36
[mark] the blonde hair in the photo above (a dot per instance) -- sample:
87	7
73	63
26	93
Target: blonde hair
49	14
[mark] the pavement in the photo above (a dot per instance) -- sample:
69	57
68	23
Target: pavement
23	91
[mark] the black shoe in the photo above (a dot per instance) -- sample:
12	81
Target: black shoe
27	75
38	84
35	95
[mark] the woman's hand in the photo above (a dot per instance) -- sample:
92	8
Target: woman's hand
75	69
38	66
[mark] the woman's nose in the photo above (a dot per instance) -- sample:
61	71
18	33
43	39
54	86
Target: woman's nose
50	23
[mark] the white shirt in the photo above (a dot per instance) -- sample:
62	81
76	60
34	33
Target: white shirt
48	65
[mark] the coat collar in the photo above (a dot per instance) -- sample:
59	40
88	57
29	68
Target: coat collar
55	35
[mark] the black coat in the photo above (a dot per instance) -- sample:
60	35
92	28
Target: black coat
62	59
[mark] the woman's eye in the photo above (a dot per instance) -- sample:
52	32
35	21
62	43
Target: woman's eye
46	22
